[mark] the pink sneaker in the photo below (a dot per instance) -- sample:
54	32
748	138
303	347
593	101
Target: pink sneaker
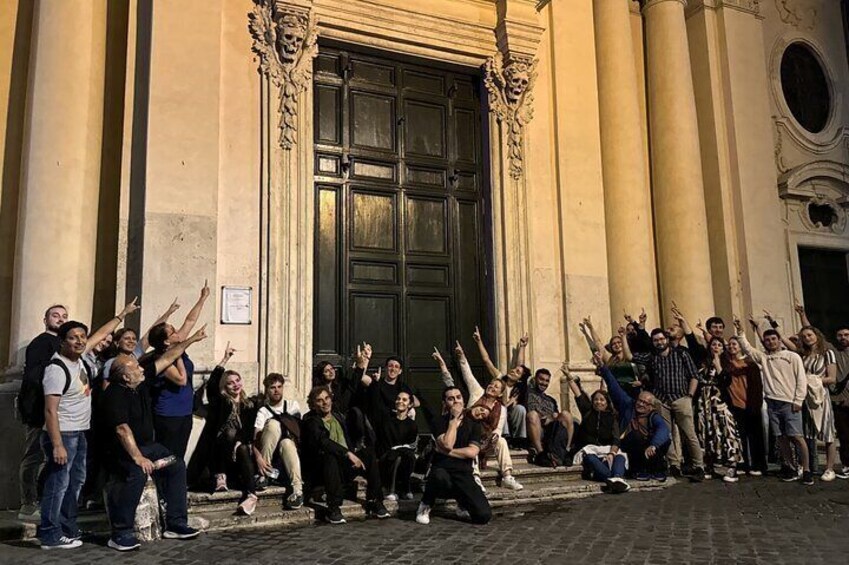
248	506
220	482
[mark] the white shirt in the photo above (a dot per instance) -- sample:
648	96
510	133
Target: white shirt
268	412
75	405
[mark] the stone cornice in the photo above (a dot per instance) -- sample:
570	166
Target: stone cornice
646	4
746	6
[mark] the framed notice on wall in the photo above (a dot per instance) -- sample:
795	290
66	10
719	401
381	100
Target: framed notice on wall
236	305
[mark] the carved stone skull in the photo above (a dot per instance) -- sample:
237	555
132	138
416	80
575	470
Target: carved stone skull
291	32
517	77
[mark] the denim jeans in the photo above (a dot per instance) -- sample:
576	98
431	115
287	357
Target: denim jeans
127	483
62	485
599	469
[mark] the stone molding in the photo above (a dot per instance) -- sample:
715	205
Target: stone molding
752	7
284	37
818	183
646	4
834	132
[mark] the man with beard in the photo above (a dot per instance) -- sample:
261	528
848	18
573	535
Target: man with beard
550	431
672	378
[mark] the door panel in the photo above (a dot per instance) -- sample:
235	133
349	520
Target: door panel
399	249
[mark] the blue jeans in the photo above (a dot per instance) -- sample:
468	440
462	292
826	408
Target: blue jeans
599	469
62	486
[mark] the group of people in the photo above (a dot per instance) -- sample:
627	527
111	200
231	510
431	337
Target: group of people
108	409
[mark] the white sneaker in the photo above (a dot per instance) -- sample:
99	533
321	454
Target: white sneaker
391	496
510	482
843	473
828	475
731	475
755	473
479	482
463	514
64	543
423	514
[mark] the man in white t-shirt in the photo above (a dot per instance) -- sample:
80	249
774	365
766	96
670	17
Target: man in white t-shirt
276	430
67	413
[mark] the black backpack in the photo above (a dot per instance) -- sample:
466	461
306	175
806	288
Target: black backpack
30	400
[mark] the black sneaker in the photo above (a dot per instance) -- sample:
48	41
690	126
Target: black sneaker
532	456
698	475
807	478
334	515
180	532
294	501
787	475
261	483
675	471
378	510
125	543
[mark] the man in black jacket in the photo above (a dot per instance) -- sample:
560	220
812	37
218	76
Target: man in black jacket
326	442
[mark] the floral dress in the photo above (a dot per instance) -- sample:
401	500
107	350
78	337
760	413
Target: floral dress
715	424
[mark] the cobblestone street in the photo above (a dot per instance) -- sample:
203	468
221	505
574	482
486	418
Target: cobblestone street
756	521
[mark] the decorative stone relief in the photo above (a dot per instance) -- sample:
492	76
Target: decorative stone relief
823	214
285	43
798	13
779	148
510	86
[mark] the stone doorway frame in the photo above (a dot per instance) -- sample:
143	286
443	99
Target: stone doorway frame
503	44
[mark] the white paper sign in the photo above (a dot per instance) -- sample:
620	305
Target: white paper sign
236	304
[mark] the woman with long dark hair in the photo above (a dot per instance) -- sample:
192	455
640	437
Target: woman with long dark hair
715	424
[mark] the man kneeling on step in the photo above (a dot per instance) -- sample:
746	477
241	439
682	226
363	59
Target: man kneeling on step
458	439
277	430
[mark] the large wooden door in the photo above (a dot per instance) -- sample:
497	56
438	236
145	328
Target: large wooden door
825	286
399	197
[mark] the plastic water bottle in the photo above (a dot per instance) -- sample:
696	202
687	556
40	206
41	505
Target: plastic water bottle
164	462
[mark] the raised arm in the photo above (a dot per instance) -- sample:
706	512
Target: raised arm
176	351
599	345
444	373
573	385
803	316
111	325
487	362
472	384
194	313
521	348
626	348
144	343
621	399
748	350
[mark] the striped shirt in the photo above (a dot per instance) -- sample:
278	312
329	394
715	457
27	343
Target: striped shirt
669	375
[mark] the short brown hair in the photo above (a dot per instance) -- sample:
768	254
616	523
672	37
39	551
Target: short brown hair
272	378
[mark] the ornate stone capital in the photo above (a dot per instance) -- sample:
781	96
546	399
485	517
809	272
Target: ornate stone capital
649	3
749	6
510	85
284	35
509	76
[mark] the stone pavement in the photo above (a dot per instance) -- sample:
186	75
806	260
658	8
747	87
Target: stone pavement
755	521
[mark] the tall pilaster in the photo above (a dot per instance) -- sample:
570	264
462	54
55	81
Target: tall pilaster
60	178
678	187
627	203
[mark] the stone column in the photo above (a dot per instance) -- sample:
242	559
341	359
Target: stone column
627	204
60	178
678	188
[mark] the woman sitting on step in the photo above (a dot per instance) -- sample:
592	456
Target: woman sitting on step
493	424
235	413
597	438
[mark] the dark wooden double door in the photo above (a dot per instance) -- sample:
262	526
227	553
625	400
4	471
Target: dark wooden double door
399	211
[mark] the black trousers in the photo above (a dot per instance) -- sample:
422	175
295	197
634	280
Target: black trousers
396	466
750	427
338	471
841	423
173	433
635	447
243	466
460	485
127	483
